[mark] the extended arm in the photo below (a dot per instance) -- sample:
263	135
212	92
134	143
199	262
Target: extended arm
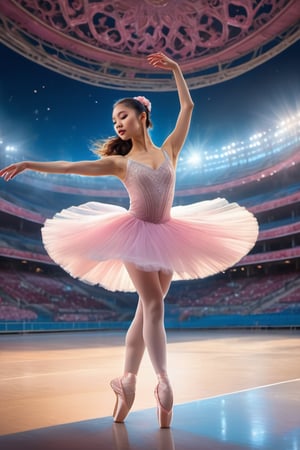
176	139
106	166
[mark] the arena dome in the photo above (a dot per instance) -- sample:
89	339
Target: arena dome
105	43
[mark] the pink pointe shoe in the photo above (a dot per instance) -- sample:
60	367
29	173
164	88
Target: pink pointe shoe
124	388
164	398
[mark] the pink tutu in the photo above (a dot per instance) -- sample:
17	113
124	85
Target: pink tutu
94	240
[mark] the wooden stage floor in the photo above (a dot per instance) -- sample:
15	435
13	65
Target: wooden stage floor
233	390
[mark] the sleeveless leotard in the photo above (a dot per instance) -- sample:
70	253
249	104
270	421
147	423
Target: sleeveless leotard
93	241
151	191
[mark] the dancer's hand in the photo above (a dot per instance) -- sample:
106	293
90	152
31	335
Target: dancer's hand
161	61
11	171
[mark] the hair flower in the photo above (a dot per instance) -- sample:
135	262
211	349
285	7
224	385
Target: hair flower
144	101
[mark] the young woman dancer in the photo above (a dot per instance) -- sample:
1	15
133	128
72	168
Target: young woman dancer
142	249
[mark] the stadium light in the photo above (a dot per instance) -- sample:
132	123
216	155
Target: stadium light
194	159
10	148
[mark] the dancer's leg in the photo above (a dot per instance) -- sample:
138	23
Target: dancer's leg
147	329
134	342
165	279
148	286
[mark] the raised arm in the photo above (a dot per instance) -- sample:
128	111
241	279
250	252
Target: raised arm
176	139
111	165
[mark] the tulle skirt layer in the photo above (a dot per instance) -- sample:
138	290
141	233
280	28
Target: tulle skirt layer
94	240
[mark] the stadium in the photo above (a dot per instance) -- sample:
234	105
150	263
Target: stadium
262	290
233	338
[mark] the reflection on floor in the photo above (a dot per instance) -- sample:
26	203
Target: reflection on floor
261	418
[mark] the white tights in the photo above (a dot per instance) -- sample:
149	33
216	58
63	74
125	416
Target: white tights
147	328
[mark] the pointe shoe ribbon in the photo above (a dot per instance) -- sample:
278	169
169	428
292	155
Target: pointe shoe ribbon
124	388
164	395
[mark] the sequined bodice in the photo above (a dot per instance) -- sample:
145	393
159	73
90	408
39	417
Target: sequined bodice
151	191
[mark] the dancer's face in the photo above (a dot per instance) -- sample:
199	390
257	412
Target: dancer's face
127	123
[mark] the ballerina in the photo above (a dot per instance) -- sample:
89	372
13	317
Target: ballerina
143	248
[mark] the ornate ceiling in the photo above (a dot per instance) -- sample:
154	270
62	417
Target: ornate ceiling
104	42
